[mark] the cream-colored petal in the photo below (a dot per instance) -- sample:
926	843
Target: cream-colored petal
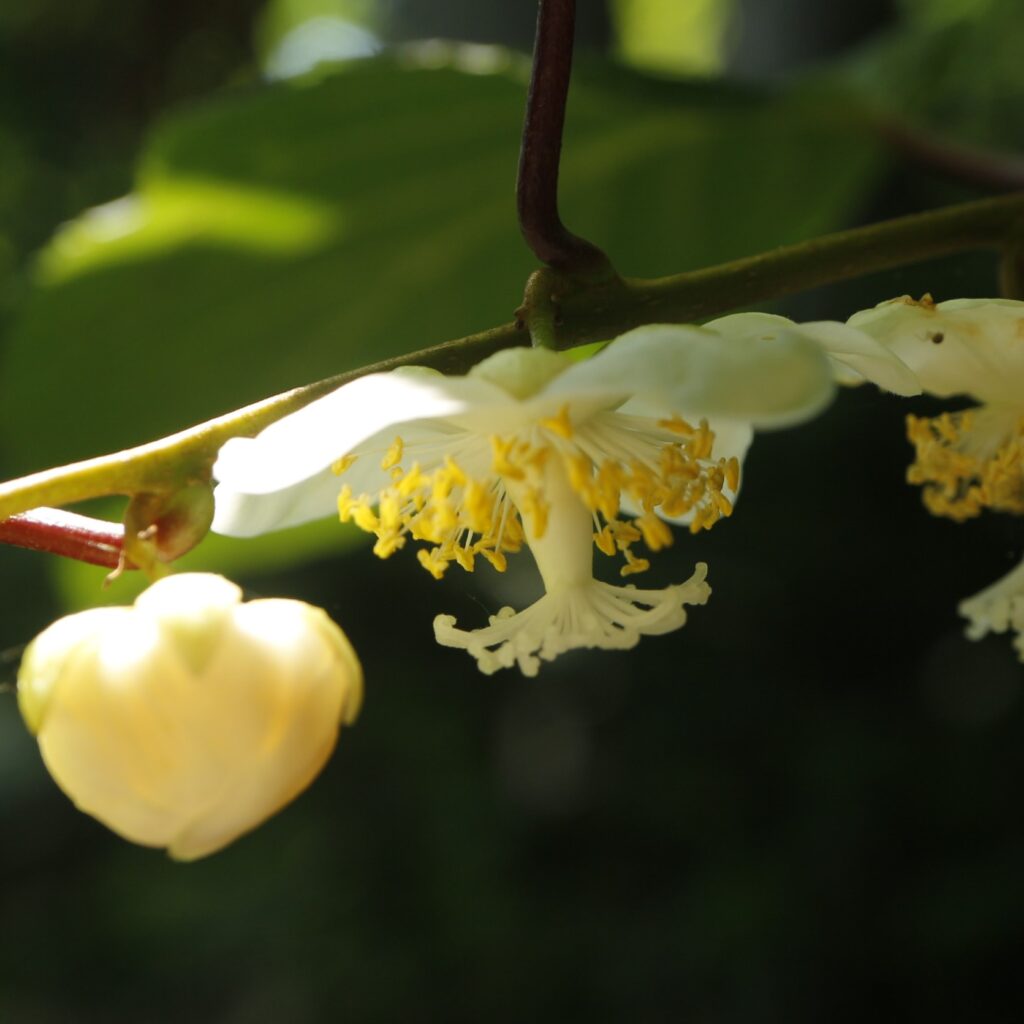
283	476
302	444
963	346
856	357
190	718
771	382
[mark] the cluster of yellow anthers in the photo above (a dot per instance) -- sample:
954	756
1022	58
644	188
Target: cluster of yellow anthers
960	482
464	515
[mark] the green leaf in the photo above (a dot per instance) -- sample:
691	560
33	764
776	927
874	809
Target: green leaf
279	235
953	67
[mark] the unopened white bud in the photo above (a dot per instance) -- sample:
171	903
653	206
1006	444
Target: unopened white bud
191	717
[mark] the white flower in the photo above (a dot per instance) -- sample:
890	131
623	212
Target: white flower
189	718
533	448
970	460
998	608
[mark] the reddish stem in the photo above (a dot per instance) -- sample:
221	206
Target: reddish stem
65	533
537	184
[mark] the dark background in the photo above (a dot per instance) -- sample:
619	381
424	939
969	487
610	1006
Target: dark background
802	807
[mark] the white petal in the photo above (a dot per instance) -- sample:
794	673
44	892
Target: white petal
770	382
964	346
856	357
248	515
283	477
299	446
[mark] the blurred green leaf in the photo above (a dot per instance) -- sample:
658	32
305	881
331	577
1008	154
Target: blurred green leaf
280	235
954	66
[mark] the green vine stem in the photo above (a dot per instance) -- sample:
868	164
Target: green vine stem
574	314
175	462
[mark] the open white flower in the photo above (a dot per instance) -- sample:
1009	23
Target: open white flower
997	609
973	459
532	448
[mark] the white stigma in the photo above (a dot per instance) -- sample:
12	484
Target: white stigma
577	610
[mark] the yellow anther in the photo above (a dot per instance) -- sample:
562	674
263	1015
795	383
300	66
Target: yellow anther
560	424
479	507
430	561
722	503
624	533
412	481
496	558
533	505
445	517
389	512
700	520
345	504
388	544
340	465
633	564
959	485
703	441
604	541
502	456
393	455
464	556
655	531
363	517
732	474
454	471
677	425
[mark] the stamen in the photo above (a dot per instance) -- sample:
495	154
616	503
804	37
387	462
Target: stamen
557	478
672	476
967	462
560	424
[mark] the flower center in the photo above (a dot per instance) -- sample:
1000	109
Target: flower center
968	461
561	488
556	486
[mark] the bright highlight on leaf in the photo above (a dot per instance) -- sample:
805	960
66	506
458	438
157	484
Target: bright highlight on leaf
190	717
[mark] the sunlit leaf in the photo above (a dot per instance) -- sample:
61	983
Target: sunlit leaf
283	234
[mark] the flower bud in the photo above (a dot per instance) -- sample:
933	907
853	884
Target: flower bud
189	718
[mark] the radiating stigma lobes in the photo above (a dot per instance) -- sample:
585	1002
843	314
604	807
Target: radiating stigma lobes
669	469
965	467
